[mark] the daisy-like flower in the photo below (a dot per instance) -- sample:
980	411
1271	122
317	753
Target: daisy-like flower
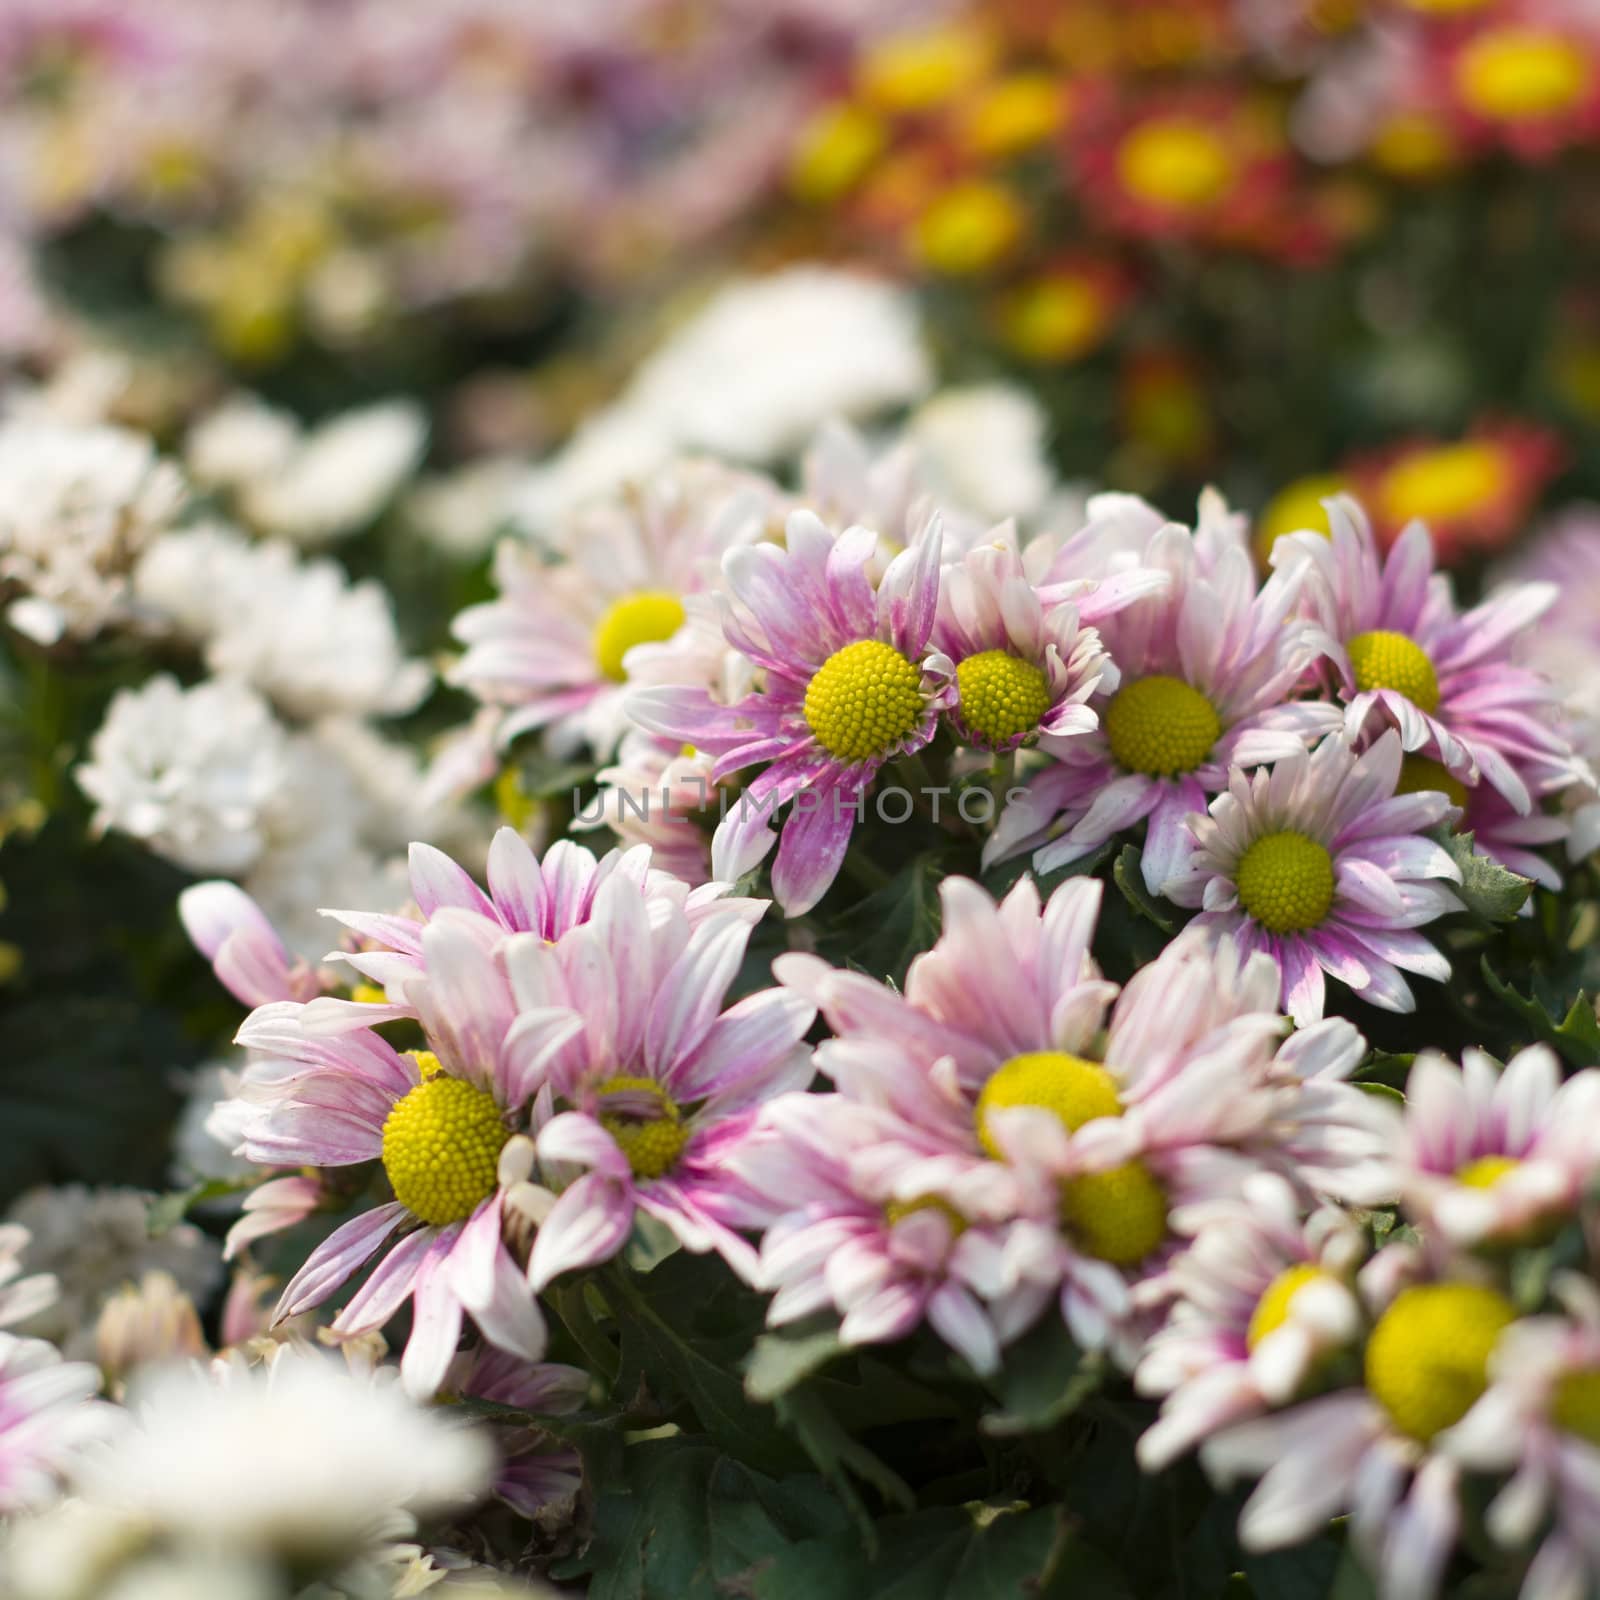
1540	1421
1262	1296
20	1297
1400	654
1206	671
1022	669
843	1235
1376	1451
1480	1154
1318	862
436	1119
657	794
236	936
1474	493
652	1080
47	1415
1090	1145
849	682
553	648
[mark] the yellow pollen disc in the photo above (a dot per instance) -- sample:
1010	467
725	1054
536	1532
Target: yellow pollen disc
1424	775
836	148
1486	1171
1296	508
1575	1403
1272	1309
1014	115
1285	882
1118	1216
1161	726
428	1064
969	228
1175	162
1385	660
645	618
1521	74
1443	485
863	699
1055	318
1073	1090
917	71
1001	695
646	1124
368	994
1412	144
441	1148
896	1209
1428	1357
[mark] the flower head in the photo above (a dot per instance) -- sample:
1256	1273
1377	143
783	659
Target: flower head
47	1416
1319	863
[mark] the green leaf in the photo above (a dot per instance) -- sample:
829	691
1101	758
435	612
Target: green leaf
166	1211
1045	1378
1490	892
1306	1572
785	1357
1000	879
1382	1067
542	778
1576	1036
1130	880
650	1243
839	1457
885	931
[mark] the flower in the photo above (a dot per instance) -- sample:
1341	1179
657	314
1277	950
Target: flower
299	1459
654	1081
1319	863
77	507
1262	1296
1377	1451
1537	1421
1206	667
657	794
1066	311
1090	1150
984	448
850	683
47	1416
235	935
1480	1154
554	647
1022	669
1399	654
20	1297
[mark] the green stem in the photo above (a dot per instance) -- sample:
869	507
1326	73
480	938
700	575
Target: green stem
576	1317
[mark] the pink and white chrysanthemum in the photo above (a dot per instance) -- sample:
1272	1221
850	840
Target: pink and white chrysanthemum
847	1234
1376	1451
48	1414
236	936
1208	669
1483	1154
1262	1296
1400	655
1318	862
658	794
849	680
21	1297
523	894
437	1120
1023	669
651	1080
1087	1146
1540	1422
553	648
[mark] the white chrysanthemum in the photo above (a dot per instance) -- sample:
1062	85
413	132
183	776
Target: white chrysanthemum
20	1297
759	369
298	630
985	448
308	486
77	506
193	774
463	512
47	1414
94	1241
301	1458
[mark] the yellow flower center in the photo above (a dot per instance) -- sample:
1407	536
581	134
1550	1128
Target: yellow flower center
835	150
645	1122
648	617
1385	660
1424	775
1412	144
1486	1171
917	71
1175	162
441	1148
1014	115
1285	882
1428	1357
1161	726
896	1209
863	699
1272	1309
969	228
428	1064
1001	695
1443	485
1575	1404
1118	1216
1055	318
1517	74
368	994
1294	509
